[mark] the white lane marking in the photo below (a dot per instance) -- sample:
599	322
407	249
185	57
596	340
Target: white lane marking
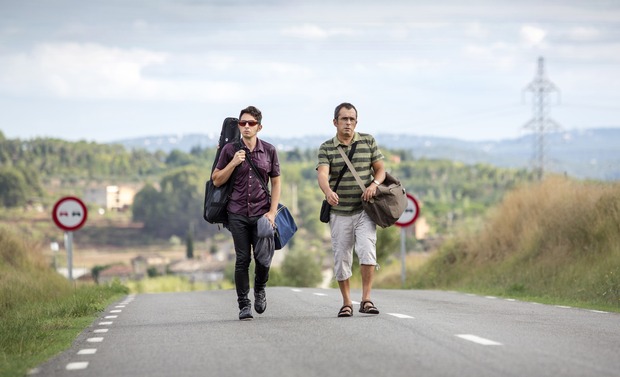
95	340
319	294
598	311
296	290
105	323
562	307
110	316
398	315
511	299
101	330
116	311
87	351
491	297
479	340
77	365
120	306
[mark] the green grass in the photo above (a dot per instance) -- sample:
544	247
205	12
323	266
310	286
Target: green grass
556	242
172	283
41	312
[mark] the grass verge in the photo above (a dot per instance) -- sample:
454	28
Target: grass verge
555	242
41	313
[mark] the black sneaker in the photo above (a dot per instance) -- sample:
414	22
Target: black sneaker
260	301
246	313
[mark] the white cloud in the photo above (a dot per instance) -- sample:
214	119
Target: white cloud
315	32
411	65
584	33
476	30
532	36
140	25
92	71
499	56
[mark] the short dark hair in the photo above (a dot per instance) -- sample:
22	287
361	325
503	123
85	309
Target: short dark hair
253	111
347	106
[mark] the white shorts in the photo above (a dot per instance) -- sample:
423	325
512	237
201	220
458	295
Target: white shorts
357	232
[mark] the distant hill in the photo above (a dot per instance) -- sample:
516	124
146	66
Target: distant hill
591	153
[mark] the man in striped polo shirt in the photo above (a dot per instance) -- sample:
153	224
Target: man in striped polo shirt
351	228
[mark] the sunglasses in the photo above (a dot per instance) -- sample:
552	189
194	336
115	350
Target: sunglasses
250	123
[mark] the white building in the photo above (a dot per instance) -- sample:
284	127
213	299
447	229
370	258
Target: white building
110	197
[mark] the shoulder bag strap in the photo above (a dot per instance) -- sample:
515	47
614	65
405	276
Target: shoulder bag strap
260	178
344	168
350	165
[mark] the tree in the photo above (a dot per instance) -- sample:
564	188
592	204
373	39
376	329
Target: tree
148	208
13	188
189	245
178	158
388	242
301	269
175	208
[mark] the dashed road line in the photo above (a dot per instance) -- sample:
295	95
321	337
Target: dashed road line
398	315
479	340
80	365
87	351
77	365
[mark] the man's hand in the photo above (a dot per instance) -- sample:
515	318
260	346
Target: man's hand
238	158
332	198
370	191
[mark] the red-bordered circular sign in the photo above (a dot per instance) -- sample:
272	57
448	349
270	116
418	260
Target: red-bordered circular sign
411	212
69	213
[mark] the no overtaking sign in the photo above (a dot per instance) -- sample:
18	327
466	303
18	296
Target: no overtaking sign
411	212
69	213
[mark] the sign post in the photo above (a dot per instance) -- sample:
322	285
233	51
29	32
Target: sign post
406	219
69	214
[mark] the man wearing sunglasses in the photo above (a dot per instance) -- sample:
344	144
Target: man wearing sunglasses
248	203
351	228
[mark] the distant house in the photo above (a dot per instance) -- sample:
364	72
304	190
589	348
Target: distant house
199	269
110	197
119	271
142	263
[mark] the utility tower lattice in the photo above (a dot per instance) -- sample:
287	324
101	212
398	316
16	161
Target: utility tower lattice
541	124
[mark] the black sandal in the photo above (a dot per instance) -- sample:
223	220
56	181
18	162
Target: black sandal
346	311
368	307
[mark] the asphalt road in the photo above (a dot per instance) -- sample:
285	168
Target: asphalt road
418	333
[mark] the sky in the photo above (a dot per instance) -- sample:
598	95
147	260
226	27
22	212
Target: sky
118	69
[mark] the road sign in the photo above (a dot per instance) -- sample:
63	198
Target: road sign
69	213
411	212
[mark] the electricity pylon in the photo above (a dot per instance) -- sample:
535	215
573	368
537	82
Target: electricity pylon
541	123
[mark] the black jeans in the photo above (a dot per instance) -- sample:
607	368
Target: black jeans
243	230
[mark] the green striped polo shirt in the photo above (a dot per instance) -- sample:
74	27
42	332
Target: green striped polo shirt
349	192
